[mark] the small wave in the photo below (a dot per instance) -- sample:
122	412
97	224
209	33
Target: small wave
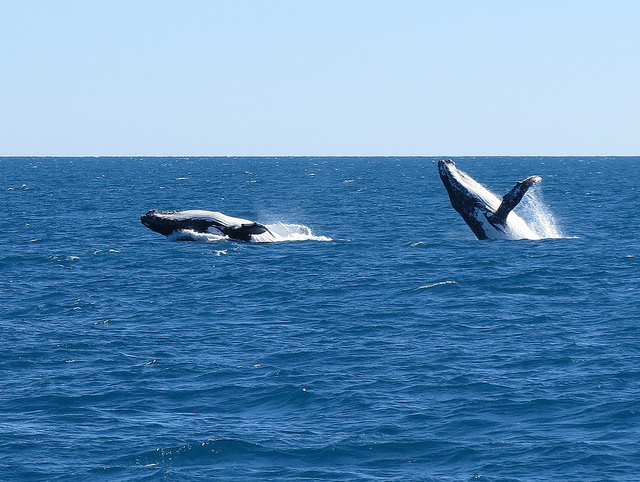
440	283
207	452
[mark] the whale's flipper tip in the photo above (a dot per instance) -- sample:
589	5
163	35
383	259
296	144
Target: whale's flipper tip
531	180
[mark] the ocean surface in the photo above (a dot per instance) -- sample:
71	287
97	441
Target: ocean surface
378	340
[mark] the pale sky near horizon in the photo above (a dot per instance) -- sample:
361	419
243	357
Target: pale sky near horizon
319	77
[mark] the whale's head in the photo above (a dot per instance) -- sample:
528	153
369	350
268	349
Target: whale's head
448	172
446	168
464	191
472	200
147	219
155	222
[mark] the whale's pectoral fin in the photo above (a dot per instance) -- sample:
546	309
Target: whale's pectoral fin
512	198
244	231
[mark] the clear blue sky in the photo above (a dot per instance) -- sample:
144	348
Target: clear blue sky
319	77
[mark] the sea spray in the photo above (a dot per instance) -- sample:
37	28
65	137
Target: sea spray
538	216
278	232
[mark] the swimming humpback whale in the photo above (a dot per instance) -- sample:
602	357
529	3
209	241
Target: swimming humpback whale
168	222
487	216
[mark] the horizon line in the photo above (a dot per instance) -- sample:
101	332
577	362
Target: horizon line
274	156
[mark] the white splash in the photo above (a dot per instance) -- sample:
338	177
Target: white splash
277	233
287	232
190	235
533	219
538	216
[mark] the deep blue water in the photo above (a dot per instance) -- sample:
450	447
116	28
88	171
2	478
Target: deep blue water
401	349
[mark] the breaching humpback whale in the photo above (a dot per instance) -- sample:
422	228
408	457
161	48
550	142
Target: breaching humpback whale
487	216
168	222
